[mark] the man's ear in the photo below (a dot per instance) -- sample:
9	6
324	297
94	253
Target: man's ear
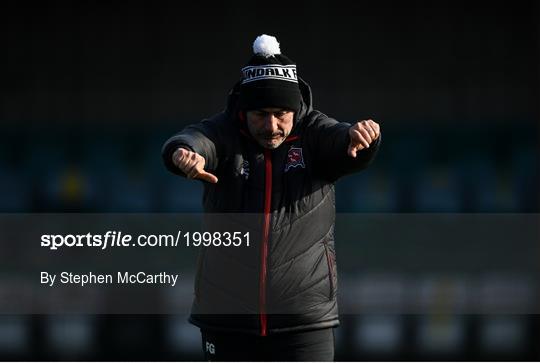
241	116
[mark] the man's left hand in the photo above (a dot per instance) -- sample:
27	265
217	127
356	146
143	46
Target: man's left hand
362	134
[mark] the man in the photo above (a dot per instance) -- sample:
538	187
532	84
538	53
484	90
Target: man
270	153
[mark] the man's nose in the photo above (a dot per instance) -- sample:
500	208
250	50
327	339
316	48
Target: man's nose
270	123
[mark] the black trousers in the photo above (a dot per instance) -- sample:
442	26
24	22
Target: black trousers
313	345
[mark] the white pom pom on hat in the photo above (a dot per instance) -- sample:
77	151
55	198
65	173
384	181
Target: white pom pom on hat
266	45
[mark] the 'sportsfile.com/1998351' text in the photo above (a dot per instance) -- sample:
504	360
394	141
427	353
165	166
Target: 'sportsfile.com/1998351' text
120	239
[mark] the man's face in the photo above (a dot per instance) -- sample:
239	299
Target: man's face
270	126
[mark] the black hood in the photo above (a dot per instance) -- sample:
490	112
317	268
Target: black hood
306	105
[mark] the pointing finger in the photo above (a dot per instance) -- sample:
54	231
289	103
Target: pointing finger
352	151
206	176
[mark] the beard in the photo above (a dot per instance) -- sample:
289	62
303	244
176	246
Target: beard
271	140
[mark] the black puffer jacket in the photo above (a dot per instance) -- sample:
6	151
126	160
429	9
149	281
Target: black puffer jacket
287	279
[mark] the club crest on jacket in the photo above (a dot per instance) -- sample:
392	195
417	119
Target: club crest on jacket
295	158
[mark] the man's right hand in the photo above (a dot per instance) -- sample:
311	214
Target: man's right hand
192	164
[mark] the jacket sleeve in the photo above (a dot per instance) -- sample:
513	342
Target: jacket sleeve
329	141
203	138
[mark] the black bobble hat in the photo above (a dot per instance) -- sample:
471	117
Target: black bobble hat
269	79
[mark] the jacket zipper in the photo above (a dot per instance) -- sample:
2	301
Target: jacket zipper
266	234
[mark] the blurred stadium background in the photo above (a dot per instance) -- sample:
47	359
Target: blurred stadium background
89	94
